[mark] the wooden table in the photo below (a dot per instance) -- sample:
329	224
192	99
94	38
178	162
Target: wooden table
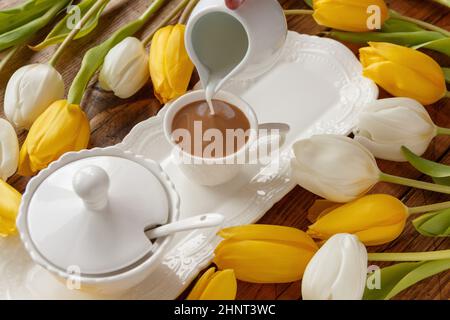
112	118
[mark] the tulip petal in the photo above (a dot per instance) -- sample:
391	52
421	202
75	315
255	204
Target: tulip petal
9	150
331	189
411	59
201	284
170	65
30	91
269	232
125	69
25	169
389	103
263	261
178	73
391	151
348	15
321	166
337	271
375	218
319	151
222	286
403	72
9	206
380	235
397	123
351	279
386	125
61	128
157	60
404	82
369	56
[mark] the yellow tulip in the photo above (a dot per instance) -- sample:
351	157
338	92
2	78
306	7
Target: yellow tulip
403	72
375	219
9	206
170	66
213	285
63	127
348	15
265	253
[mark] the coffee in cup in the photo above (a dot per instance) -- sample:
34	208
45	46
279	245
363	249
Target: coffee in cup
206	135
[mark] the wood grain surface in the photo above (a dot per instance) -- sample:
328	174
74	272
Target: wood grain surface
112	118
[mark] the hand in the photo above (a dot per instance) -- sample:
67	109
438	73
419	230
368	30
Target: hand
234	4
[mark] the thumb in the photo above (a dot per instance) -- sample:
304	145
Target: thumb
234	4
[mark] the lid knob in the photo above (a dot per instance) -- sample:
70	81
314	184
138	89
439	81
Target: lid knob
91	183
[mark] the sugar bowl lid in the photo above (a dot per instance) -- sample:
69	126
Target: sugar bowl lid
89	210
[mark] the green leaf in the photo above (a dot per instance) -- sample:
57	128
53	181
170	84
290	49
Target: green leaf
443	2
439	45
402	38
94	58
438	171
434	224
446	74
401	276
397	25
24	32
15	17
443	181
60	31
309	3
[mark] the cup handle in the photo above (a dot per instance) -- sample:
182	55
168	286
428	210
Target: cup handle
266	138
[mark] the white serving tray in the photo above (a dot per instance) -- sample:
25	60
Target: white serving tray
316	87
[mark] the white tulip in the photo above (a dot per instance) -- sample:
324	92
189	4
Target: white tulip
337	271
9	150
386	125
30	91
125	69
334	167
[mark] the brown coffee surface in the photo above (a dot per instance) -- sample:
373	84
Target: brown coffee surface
230	124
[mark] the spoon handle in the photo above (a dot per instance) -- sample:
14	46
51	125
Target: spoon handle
198	222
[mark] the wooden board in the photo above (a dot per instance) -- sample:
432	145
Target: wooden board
112	118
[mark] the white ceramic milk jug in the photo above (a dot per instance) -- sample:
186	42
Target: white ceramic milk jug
242	43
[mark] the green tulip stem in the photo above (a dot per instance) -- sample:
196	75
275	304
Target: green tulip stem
429	208
92	11
165	21
187	12
414	183
443	131
426	25
7	57
447	94
410	256
298	12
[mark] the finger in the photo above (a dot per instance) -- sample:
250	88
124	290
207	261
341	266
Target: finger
234	4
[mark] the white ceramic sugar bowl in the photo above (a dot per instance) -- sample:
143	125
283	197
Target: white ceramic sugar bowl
83	218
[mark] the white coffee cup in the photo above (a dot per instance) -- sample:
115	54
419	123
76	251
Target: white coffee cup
215	171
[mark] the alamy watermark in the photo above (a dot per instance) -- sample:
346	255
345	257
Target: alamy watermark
234	146
374	278
374	20
73	281
74	17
